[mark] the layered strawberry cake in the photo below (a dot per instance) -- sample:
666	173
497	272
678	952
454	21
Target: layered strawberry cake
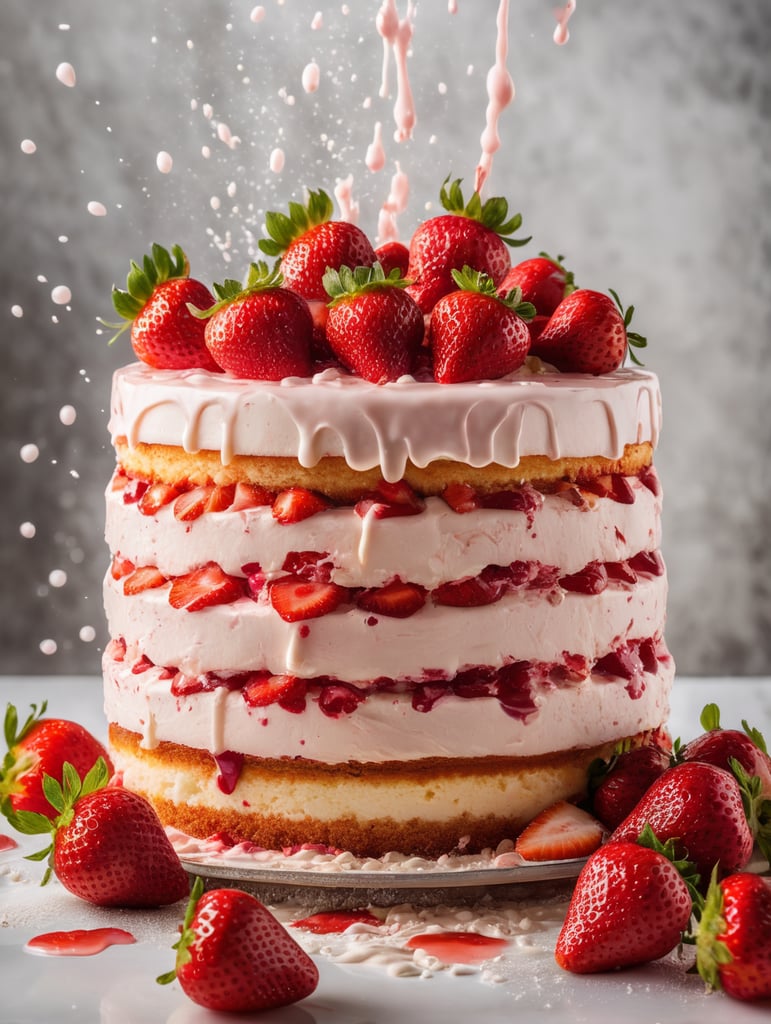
391	614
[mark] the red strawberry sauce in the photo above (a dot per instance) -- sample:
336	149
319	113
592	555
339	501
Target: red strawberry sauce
229	764
458	947
80	942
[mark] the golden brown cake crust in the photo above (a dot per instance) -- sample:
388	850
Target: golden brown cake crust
334	478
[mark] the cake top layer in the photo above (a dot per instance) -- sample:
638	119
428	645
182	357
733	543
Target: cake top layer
533	411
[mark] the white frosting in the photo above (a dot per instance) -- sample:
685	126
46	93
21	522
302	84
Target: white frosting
249	635
430	548
370	425
384	727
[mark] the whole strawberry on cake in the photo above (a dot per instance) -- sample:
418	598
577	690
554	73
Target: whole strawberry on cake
385	567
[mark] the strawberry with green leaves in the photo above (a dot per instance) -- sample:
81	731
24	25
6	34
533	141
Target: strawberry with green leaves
733	937
234	956
39	747
588	333
373	326
260	330
477	334
616	786
309	241
108	846
542	280
164	333
631	905
473	234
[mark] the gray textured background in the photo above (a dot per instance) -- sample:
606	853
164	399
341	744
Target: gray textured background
641	150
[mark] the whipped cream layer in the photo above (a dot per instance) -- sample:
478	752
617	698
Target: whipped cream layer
433	547
385	727
352	645
534	411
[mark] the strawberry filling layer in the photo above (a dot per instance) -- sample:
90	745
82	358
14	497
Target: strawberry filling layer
515	685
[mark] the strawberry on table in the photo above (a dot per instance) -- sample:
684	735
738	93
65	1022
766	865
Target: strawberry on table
40	747
260	330
469	234
630	905
234	956
309	242
733	937
374	327
477	334
587	333
108	846
560	832
544	282
164	333
699	807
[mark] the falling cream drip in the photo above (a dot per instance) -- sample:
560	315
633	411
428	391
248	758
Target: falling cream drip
500	91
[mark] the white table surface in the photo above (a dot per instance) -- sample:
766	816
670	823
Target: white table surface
118	986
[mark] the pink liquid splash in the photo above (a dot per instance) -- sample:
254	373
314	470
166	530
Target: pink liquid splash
79	942
458	947
563	15
397	36
500	92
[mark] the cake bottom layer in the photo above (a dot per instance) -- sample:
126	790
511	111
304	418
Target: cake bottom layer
426	808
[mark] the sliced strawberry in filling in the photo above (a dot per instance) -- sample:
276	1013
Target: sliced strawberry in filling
297	503
396	599
264	689
155	497
192	504
295	598
206	586
146	577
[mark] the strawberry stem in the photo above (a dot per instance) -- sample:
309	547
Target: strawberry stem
345	283
492	214
157	268
187	934
283	230
711	954
469	280
634	340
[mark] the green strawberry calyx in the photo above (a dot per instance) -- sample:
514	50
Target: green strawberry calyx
710	722
157	268
685	868
711	953
470	280
283	230
570	280
187	934
757	808
346	283
16	763
634	340
62	796
492	214
260	278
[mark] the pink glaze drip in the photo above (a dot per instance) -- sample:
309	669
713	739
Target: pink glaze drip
564	14
229	763
397	36
79	942
375	157
7	843
349	208
458	947
395	203
500	91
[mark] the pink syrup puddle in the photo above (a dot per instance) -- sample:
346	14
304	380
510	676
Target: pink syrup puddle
458	947
328	922
229	764
7	843
80	942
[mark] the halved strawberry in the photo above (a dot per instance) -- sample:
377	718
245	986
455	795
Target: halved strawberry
250	496
561	832
121	567
134	490
390	499
203	587
221	498
192	504
461	497
648	561
472	592
611	485
155	497
592	579
146	577
396	599
264	689
298	503
296	599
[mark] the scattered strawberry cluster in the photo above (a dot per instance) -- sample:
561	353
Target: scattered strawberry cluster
450	305
668	840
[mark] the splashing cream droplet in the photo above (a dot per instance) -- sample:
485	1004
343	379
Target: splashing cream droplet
164	162
97	209
29	453
66	74
61	295
28	146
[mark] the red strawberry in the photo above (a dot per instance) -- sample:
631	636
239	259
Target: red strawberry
699	807
620	784
469	234
733	937
250	496
476	334
108	845
38	748
461	498
261	331
295	598
309	243
471	592
587	333
393	256
630	905
234	956
560	832
264	689
208	585
192	504
164	333
221	498
298	503
544	282
391	499
396	600
146	577
155	497
120	567
374	327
